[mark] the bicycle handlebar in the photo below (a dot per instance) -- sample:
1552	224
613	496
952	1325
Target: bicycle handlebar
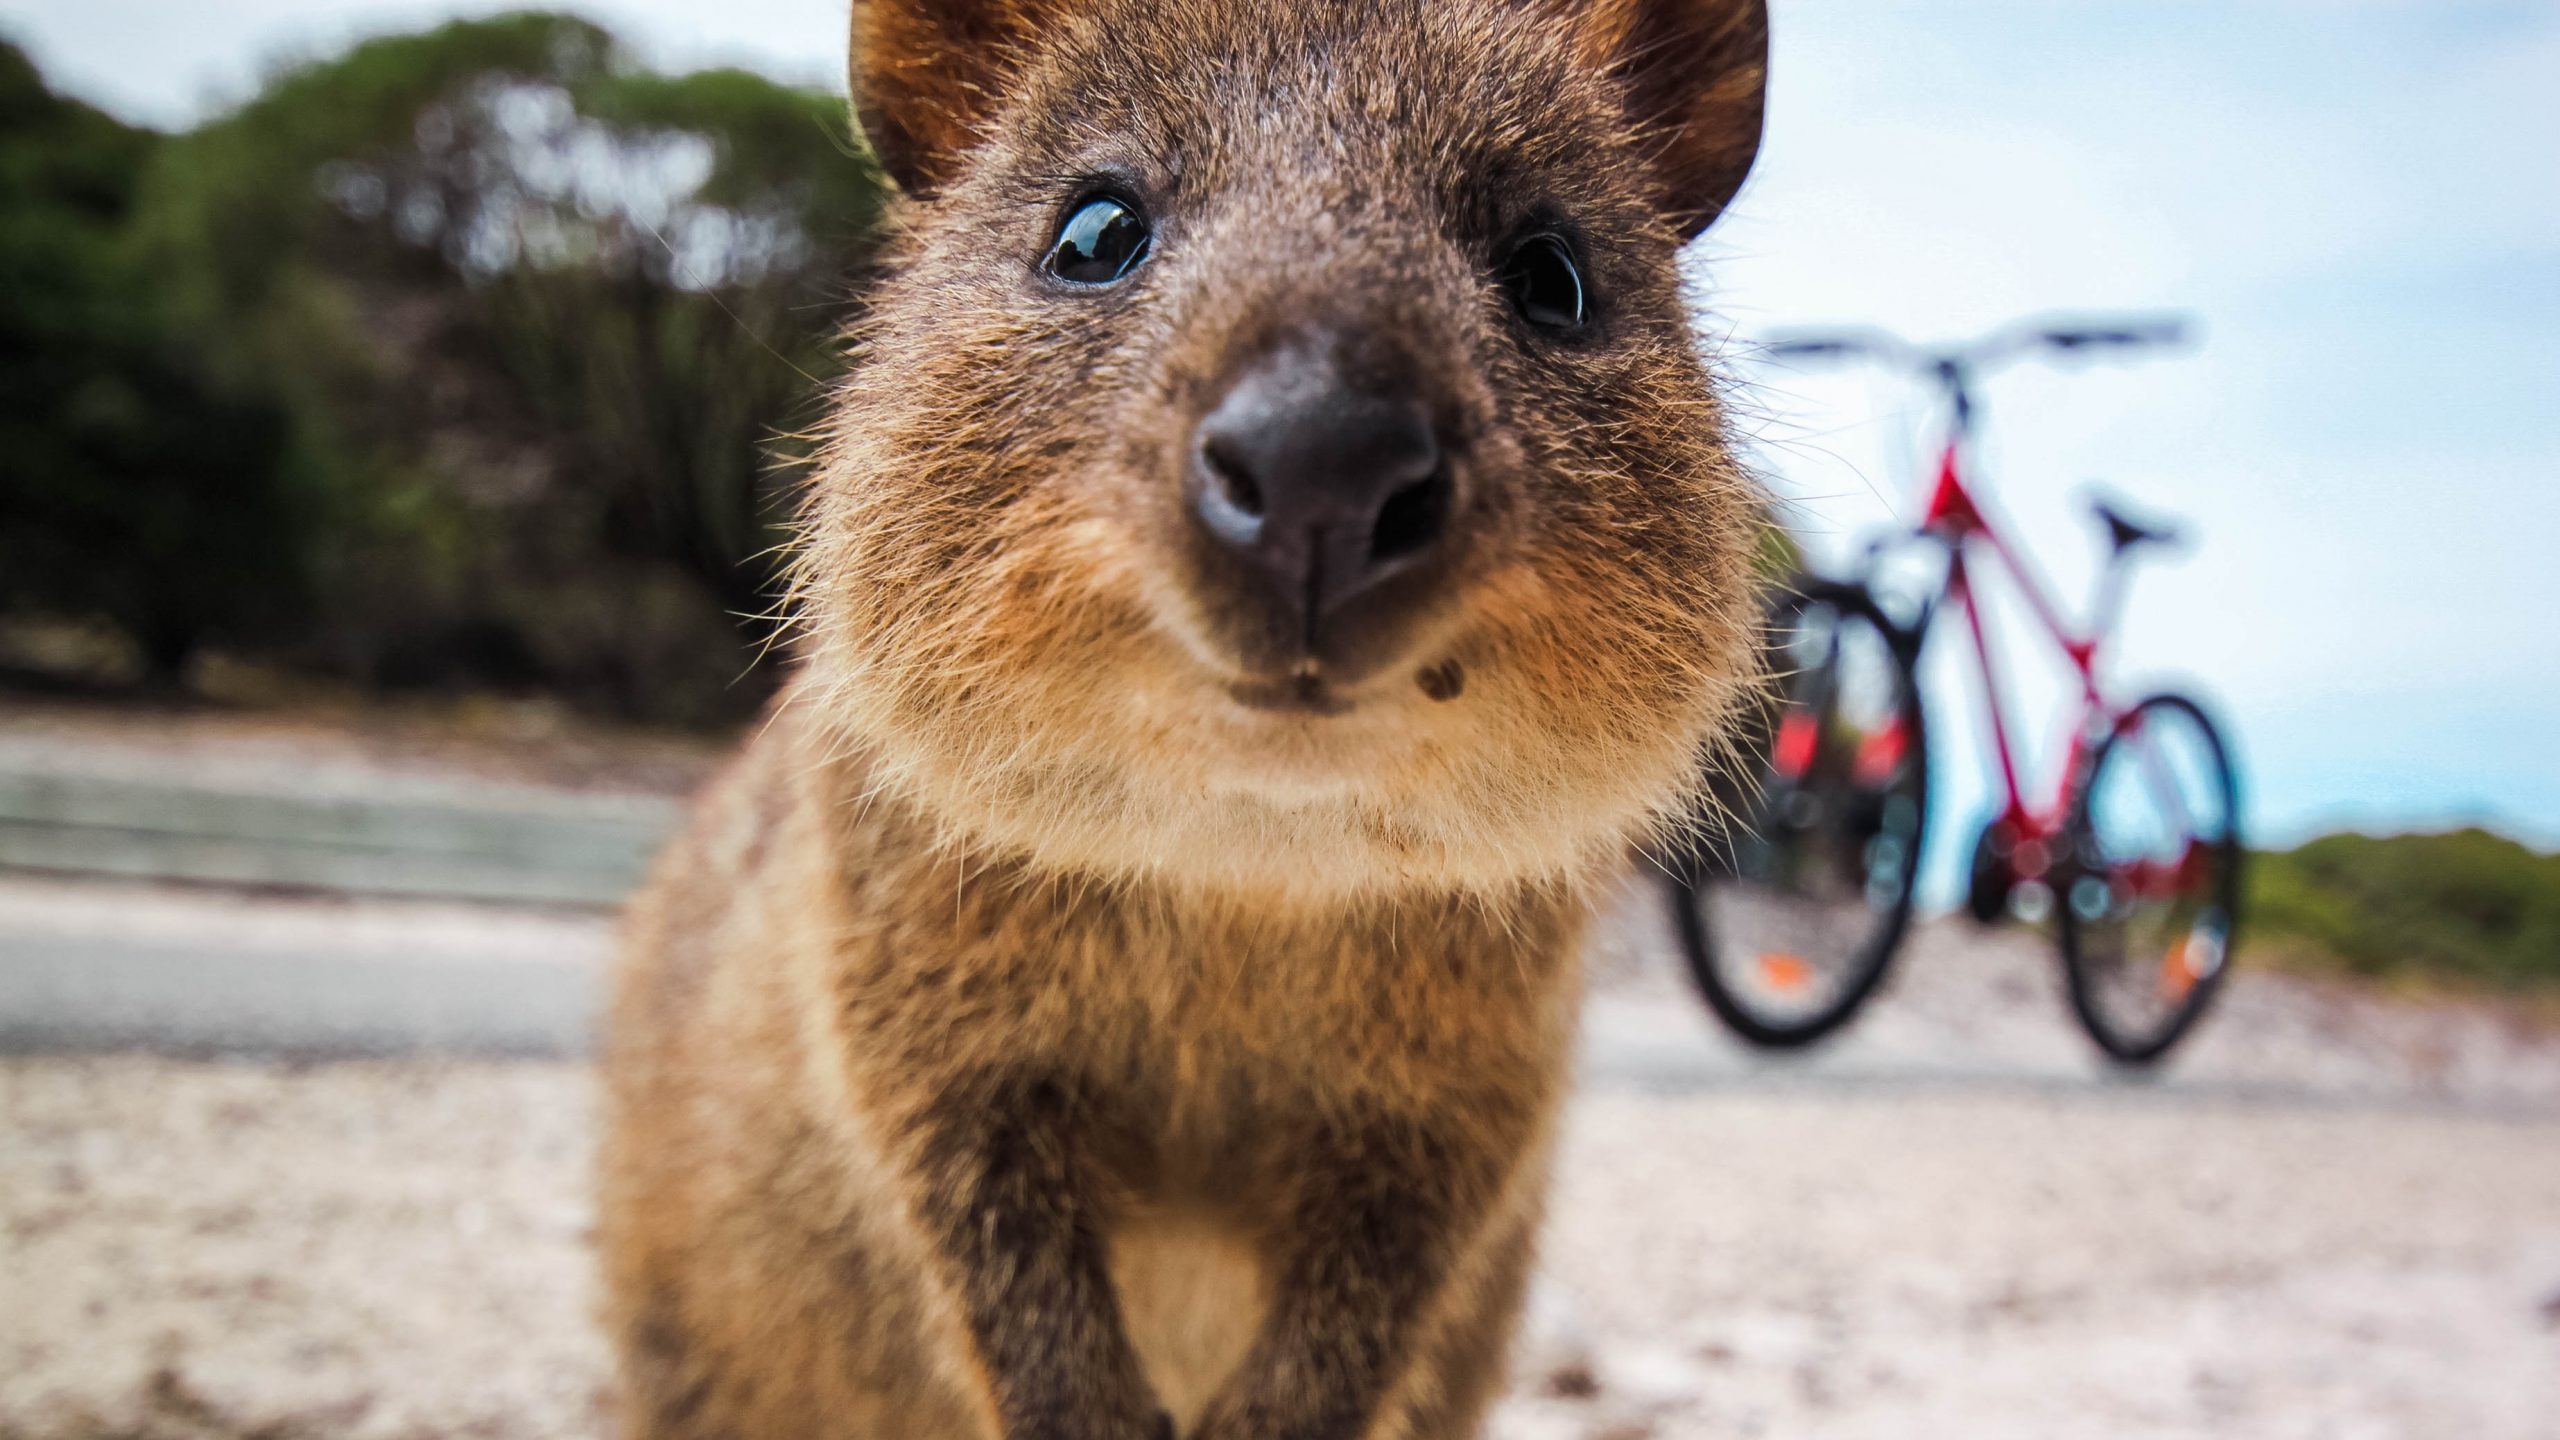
1840	345
2158	330
1953	361
1954	367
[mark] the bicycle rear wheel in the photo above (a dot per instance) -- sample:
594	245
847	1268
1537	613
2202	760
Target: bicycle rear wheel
2150	880
1790	903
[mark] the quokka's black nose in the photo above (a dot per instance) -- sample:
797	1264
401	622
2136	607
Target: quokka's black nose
1322	489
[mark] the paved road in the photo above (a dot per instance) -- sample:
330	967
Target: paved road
200	972
86	966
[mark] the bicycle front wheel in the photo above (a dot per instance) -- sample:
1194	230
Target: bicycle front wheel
2150	879
1789	907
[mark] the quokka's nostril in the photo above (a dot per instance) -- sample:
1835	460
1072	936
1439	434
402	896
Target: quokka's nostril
1412	519
1233	478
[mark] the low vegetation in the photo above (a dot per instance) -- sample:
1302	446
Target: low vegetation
2467	908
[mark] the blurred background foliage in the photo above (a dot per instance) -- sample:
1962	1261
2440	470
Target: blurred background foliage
2468	907
137	492
464	361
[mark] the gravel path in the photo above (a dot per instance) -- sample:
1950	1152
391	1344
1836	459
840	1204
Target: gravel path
399	1248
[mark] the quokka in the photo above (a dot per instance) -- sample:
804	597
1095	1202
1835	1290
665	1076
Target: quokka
1275	548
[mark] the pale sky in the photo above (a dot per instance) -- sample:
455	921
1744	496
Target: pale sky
2360	202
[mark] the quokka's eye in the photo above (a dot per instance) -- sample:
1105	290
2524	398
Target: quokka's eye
1100	243
1545	285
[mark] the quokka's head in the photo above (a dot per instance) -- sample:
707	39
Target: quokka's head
1277	457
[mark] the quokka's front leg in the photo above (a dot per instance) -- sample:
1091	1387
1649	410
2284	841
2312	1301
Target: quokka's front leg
1374	1230
1008	1198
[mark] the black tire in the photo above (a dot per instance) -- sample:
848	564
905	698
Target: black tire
1715	889
2101	912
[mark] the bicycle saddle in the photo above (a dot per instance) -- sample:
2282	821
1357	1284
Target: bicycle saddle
2125	532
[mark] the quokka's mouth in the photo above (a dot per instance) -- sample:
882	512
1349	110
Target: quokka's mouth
1306	692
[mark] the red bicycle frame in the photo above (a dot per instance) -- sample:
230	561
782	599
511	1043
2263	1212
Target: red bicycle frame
1953	517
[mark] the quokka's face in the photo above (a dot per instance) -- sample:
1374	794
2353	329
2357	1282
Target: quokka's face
1278	457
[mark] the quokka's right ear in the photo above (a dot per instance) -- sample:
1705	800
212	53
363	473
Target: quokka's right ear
1694	75
927	73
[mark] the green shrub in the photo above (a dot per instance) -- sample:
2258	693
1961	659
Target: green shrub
2467	906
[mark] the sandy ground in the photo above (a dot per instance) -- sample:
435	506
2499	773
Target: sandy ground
392	1249
2340	1218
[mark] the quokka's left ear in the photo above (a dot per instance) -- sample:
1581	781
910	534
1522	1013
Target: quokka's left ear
1694	75
927	74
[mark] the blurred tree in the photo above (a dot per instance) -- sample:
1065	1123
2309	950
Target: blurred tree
2467	905
129	492
537	318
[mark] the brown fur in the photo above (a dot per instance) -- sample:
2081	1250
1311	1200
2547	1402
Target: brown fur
1032	1038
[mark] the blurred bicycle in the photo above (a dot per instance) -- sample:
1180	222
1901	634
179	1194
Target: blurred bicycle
1791	899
